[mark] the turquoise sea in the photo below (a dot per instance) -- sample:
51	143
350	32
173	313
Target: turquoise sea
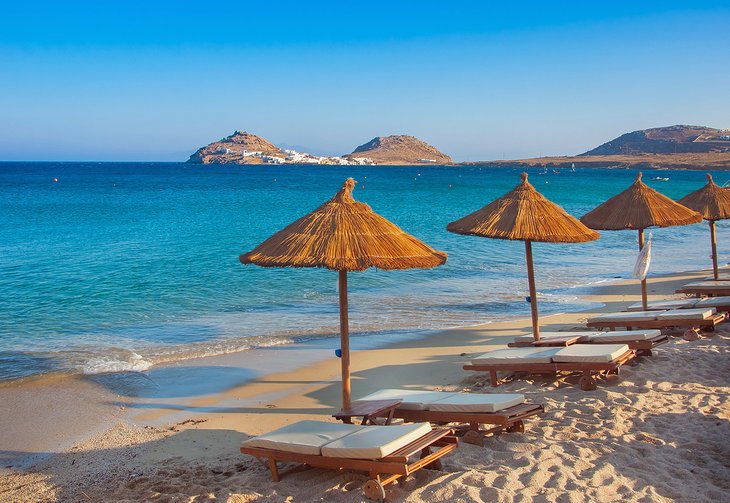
117	266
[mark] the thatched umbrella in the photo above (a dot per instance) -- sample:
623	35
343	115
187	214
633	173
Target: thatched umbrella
713	203
639	207
344	235
526	215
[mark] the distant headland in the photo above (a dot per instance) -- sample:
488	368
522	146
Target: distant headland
671	147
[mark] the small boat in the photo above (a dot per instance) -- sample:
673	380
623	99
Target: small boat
572	167
660	179
556	171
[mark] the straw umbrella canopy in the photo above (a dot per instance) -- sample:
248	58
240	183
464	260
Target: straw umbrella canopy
639	207
713	203
526	215
344	235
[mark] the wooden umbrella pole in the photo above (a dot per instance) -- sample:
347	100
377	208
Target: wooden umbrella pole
644	303
533	293
344	340
713	239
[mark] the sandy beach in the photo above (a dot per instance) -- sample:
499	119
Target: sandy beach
658	432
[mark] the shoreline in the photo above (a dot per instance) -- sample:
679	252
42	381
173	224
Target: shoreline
250	392
310	352
657	162
188	351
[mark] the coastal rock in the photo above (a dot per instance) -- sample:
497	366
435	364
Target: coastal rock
400	149
238	148
677	139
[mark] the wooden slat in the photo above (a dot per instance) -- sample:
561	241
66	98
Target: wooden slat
365	408
427	460
649	343
523	410
557	341
566	340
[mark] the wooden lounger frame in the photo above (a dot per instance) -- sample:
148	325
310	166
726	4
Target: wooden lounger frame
587	382
719	291
706	324
642	347
382	471
509	419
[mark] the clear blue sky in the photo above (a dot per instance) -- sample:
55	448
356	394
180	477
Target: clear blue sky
155	80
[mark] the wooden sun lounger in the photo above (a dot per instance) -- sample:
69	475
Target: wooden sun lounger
382	472
708	323
587	381
721	303
510	418
643	347
706	288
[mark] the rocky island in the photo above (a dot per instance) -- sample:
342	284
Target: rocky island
239	148
246	148
400	149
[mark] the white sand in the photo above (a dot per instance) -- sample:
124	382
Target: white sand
658	432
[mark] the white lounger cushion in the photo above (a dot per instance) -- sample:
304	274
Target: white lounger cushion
411	399
448	401
621	317
625	336
304	437
374	442
686	314
477	402
516	355
590	353
550	335
663	305
713	302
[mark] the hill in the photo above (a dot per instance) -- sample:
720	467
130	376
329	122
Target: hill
400	149
671	147
239	148
700	161
666	140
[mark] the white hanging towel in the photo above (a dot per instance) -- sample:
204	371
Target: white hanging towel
643	261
